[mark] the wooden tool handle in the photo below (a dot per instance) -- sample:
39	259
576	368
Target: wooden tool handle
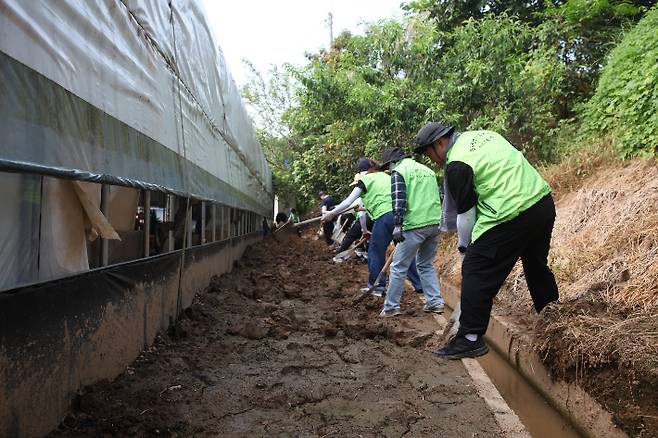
316	219
364	294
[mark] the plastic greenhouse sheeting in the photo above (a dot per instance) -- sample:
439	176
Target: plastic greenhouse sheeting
128	92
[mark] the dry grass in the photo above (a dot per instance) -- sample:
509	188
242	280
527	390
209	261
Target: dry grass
605	258
569	175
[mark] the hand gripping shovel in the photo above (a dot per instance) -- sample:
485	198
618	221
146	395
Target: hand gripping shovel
364	294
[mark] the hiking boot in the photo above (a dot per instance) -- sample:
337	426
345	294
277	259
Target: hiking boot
433	309
390	313
460	347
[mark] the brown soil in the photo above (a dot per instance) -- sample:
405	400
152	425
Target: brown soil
277	349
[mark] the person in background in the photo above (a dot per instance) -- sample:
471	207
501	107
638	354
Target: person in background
416	218
361	226
374	188
280	219
505	211
294	216
327	204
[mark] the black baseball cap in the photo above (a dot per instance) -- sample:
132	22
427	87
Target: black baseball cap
365	164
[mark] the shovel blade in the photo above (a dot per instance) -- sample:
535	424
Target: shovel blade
285	233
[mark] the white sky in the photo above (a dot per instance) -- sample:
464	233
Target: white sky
276	31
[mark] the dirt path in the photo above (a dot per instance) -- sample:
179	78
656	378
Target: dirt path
276	349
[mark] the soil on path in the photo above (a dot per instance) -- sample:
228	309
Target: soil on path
277	349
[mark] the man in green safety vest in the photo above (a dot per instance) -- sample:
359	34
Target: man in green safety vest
505	211
374	189
416	216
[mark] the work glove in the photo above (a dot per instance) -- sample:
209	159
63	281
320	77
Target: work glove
398	235
366	235
327	217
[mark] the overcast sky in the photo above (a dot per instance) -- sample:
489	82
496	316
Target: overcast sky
277	31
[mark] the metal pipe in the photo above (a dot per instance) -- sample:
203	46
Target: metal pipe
147	223
221	223
227	222
189	227
105	244
203	223
214	222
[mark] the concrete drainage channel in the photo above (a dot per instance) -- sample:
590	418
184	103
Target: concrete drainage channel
545	407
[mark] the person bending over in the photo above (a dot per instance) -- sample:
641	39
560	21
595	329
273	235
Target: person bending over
505	211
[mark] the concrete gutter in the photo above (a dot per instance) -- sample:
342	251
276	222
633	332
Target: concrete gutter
510	424
586	415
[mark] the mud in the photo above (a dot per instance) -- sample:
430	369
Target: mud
277	349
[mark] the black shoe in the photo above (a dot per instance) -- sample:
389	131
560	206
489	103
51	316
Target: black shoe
460	347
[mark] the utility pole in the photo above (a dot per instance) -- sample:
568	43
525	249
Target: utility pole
330	23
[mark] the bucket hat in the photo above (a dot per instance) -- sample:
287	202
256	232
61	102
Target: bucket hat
429	133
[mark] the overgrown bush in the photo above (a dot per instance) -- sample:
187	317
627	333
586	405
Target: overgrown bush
519	68
625	104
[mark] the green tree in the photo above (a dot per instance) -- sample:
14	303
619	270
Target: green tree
625	104
270	97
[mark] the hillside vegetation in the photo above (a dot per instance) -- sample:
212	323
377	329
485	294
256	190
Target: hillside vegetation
550	76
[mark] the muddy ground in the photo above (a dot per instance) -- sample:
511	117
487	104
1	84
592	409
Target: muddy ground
277	349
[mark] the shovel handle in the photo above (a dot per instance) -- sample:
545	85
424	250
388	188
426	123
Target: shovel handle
319	218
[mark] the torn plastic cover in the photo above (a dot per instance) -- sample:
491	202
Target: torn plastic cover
128	92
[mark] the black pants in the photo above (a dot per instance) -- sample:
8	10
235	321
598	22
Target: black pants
353	234
328	230
492	256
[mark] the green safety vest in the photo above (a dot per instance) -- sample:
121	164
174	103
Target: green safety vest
505	183
423	202
377	198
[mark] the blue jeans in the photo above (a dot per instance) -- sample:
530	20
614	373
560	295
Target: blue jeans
382	234
420	243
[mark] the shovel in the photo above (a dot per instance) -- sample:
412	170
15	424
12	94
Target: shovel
452	327
364	294
344	255
288	229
